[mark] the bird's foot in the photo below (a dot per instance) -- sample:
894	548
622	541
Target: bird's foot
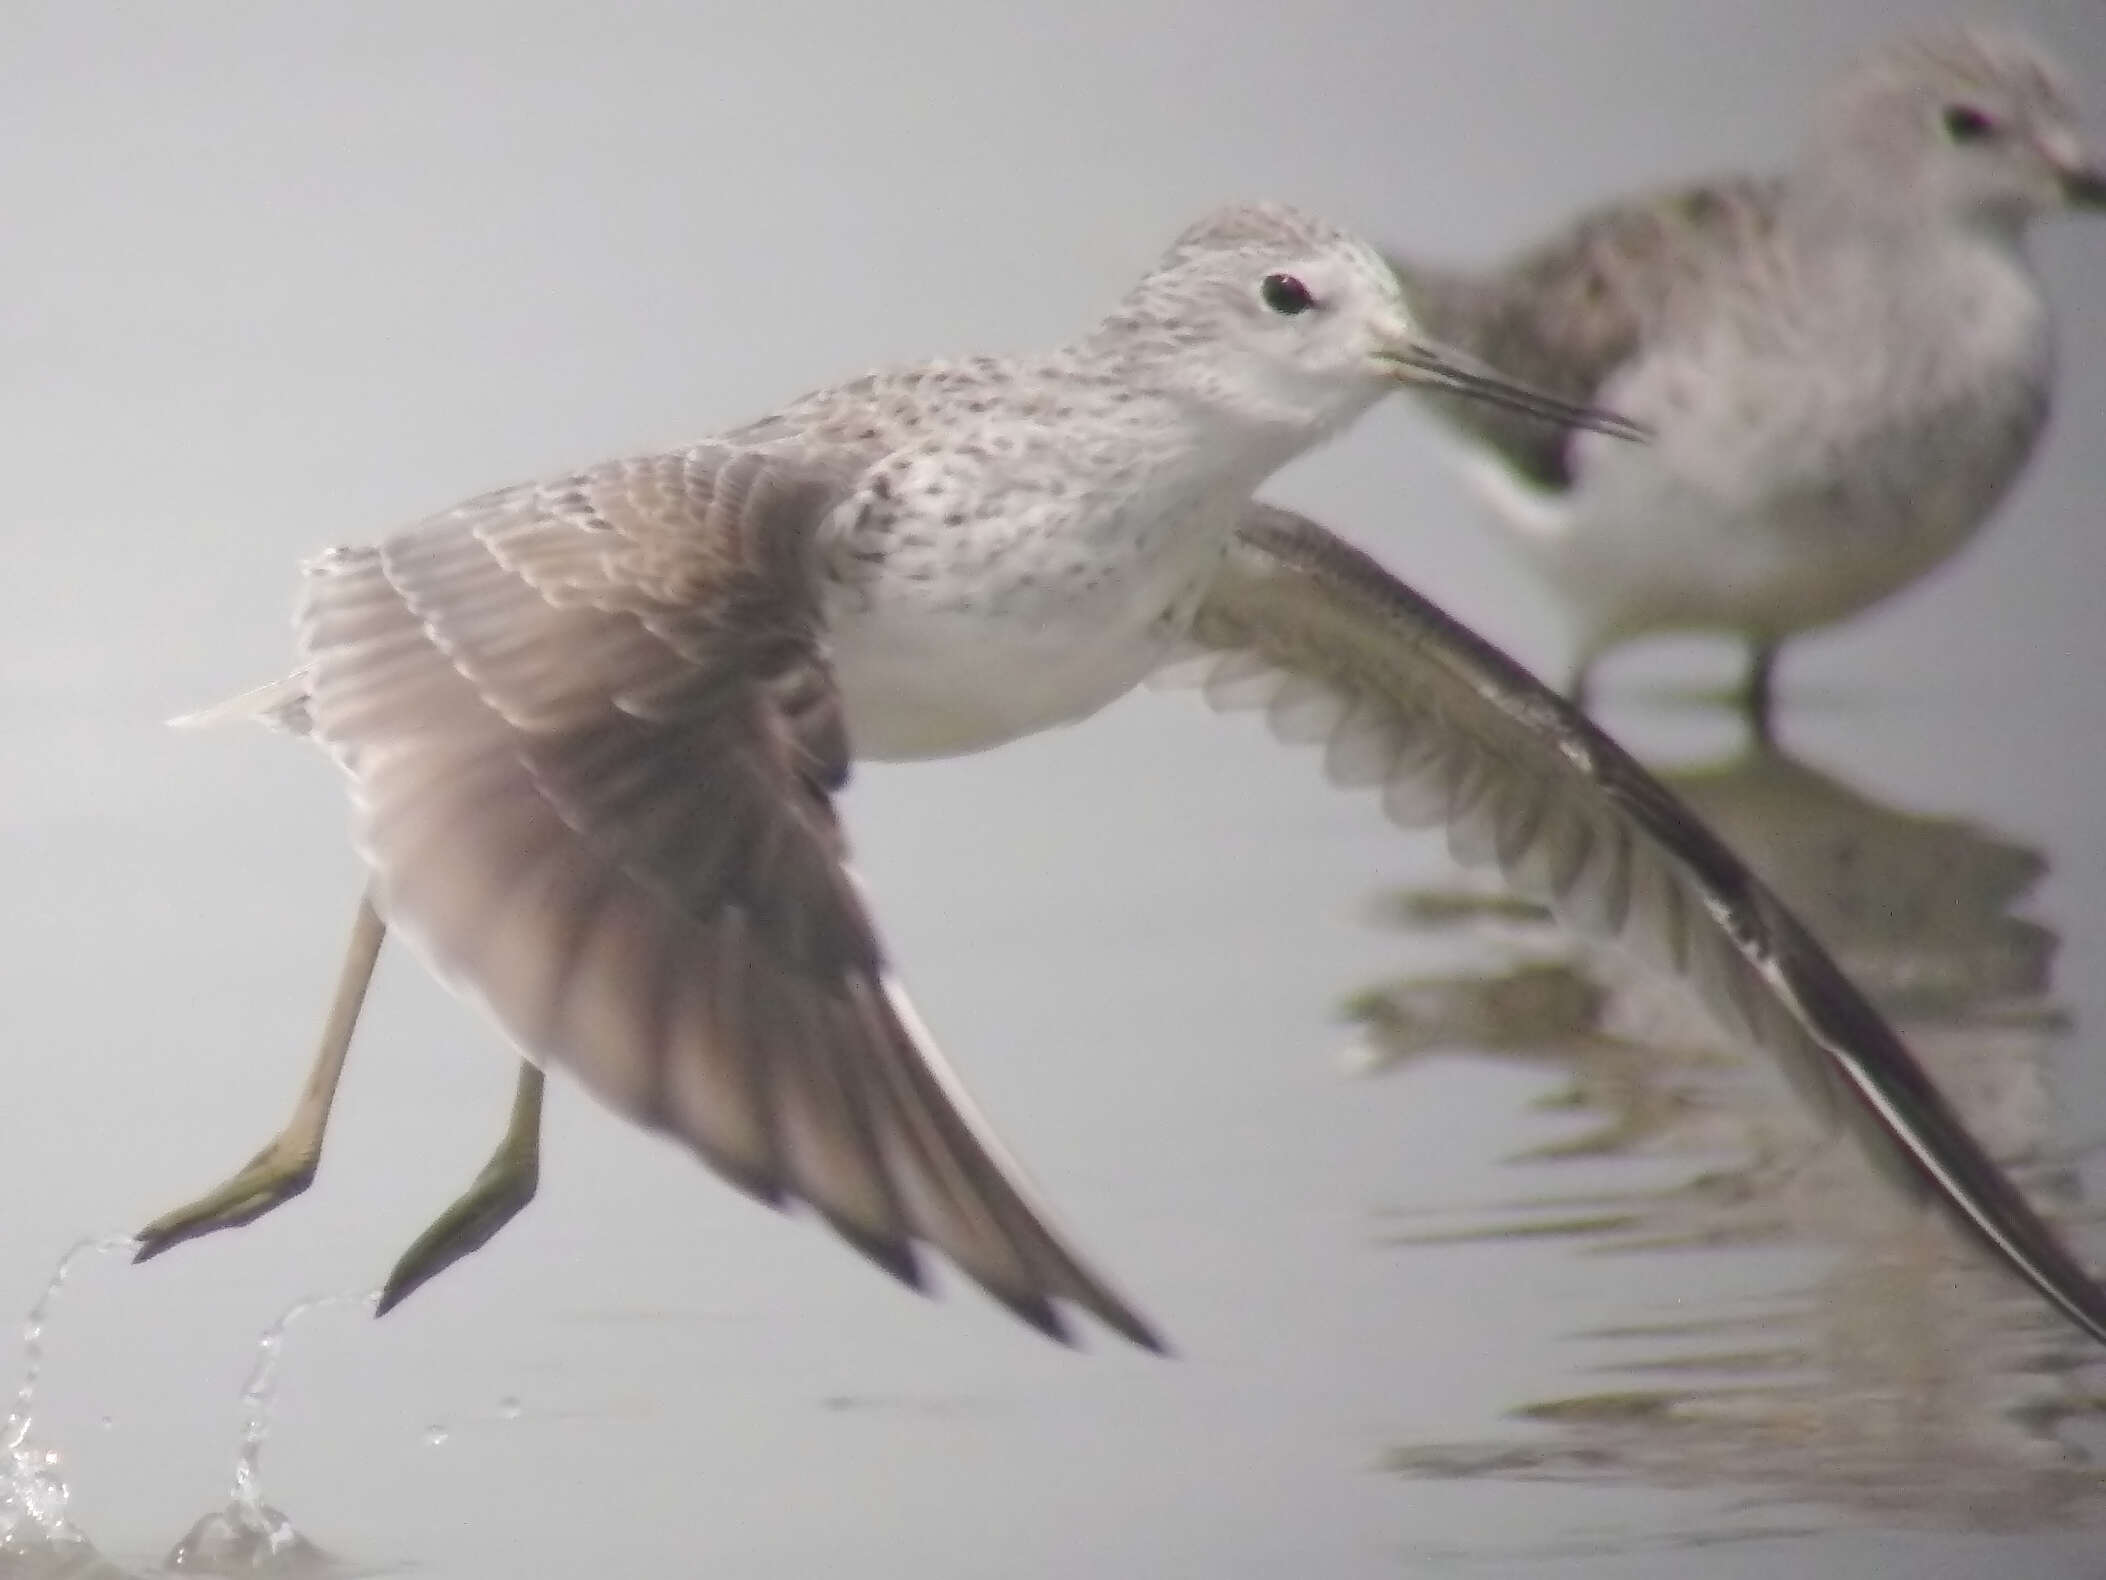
271	1178
504	1187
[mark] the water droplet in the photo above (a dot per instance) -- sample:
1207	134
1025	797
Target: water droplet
434	1436
107	1422
259	1398
33	1491
508	1407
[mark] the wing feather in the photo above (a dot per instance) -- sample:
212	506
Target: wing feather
1524	779
593	740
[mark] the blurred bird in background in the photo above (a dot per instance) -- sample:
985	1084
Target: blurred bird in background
1845	364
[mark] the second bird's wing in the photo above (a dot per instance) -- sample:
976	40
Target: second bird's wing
1568	314
1333	649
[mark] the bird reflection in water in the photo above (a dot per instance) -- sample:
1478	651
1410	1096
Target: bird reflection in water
1899	1380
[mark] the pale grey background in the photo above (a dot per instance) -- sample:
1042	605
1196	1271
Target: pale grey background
281	276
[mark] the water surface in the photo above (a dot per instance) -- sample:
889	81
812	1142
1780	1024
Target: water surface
1558	1289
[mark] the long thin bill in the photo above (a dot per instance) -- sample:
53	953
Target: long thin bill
2085	187
1439	368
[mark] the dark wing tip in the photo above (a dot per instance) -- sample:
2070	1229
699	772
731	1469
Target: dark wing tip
764	1184
1106	1308
893	1252
897	1256
1036	1311
1135	1331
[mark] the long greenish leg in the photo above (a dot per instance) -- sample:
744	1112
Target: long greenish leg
286	1166
1756	691
505	1185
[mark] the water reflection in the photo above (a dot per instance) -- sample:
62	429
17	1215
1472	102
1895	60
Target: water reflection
1875	1365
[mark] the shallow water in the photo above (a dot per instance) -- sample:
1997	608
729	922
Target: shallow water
1480	1256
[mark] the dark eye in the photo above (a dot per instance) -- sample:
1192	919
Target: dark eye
1285	295
1966	124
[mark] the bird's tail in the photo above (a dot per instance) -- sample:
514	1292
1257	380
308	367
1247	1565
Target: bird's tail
280	705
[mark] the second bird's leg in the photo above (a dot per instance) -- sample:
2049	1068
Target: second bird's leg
505	1185
1756	690
286	1166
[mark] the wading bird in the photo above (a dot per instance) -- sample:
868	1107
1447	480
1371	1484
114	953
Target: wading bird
592	727
1844	365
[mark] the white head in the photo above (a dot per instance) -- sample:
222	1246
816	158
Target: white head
1956	124
1282	320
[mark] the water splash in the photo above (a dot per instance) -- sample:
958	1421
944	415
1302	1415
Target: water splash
36	1537
249	1536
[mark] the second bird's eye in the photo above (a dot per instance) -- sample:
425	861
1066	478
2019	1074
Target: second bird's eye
1965	124
1284	294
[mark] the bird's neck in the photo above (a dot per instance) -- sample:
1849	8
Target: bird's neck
1928	275
1222	412
1826	206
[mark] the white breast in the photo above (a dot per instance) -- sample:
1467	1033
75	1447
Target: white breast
1805	465
996	600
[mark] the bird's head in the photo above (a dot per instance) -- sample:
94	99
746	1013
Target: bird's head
1285	320
1959	122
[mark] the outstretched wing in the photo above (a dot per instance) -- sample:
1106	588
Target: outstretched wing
1449	729
592	737
1566	315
